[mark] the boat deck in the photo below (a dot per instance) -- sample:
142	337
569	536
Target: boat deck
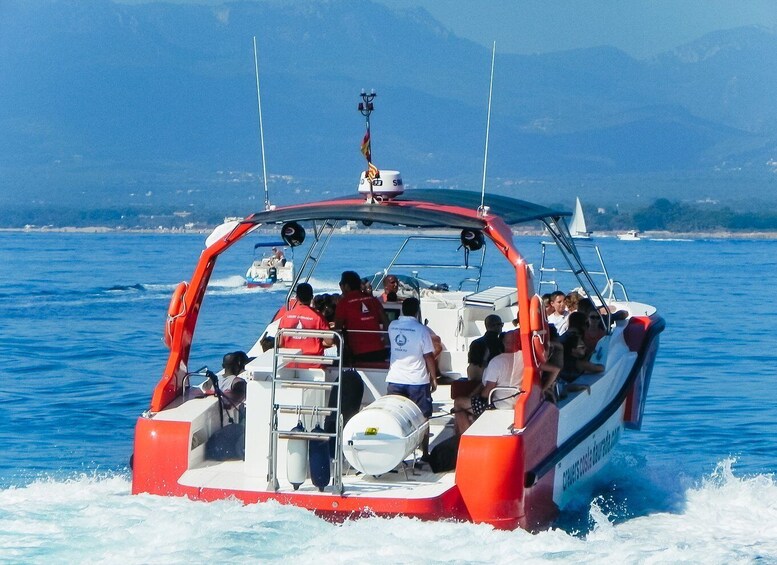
411	479
403	482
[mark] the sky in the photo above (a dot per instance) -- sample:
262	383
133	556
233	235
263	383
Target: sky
641	28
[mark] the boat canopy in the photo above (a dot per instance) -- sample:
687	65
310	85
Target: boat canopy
421	208
270	244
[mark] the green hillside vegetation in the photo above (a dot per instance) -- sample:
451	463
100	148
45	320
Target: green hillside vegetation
673	216
661	215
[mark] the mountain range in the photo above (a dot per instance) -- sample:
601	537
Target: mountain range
110	105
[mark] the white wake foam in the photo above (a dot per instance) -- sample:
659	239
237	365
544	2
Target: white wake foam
724	519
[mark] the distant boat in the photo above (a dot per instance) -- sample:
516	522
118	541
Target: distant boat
270	269
577	227
631	235
349	226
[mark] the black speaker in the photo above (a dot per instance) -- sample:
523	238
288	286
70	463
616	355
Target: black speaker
293	234
472	239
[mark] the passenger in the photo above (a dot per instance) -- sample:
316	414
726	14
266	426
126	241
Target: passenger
367	286
586	306
303	316
575	363
324	304
390	289
484	348
412	372
594	331
576	321
559	315
504	370
571	301
553	365
546	303
363	319
600	320
278	258
232	379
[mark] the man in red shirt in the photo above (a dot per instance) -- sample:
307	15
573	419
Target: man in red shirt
363	319
303	316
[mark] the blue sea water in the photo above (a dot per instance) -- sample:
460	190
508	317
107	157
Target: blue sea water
81	319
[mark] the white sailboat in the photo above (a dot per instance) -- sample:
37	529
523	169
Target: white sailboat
577	225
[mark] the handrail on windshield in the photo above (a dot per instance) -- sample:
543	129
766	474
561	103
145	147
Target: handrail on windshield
393	264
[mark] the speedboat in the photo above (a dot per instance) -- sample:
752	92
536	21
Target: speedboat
631	235
269	269
514	468
301	436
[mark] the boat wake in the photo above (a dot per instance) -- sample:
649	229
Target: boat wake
721	518
126	288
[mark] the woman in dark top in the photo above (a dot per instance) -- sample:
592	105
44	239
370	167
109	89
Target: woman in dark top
575	363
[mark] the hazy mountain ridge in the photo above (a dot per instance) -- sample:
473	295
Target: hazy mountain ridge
112	100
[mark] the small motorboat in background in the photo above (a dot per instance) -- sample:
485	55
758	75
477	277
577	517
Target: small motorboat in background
270	266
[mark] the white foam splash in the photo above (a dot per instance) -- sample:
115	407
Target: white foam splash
725	519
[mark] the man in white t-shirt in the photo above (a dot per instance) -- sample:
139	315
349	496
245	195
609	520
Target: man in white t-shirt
504	370
412	372
559	317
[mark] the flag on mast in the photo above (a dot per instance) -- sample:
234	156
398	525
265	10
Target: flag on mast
372	172
366	151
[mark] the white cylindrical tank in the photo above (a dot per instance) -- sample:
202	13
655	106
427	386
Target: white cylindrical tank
297	458
378	438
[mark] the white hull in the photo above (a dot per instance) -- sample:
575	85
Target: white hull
263	272
631	235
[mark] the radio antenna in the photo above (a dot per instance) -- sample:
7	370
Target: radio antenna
488	129
261	129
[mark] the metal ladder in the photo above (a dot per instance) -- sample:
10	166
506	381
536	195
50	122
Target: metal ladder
279	359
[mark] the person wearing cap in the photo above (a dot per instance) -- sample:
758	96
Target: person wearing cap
232	379
304	317
484	348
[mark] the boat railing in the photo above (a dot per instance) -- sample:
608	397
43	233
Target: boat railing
202	387
605	290
395	264
610	294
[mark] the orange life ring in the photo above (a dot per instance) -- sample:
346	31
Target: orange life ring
540	335
175	310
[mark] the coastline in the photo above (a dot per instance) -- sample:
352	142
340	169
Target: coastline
648	235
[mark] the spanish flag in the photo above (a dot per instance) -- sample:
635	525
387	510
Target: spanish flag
372	172
366	146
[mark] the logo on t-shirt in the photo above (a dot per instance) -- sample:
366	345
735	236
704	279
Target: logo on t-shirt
365	310
400	340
